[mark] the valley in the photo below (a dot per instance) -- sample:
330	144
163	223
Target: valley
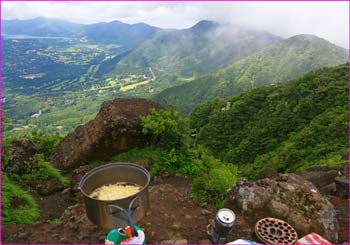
59	77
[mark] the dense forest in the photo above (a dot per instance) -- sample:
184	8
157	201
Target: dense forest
278	63
281	127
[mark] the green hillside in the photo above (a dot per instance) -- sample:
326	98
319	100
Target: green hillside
283	61
283	127
203	48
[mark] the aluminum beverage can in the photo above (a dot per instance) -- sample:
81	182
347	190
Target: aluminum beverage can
224	221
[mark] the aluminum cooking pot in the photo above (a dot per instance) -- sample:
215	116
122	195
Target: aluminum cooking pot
108	214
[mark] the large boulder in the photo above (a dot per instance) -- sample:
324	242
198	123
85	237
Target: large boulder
20	153
290	198
116	128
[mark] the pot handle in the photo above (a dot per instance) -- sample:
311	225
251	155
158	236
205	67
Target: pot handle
127	213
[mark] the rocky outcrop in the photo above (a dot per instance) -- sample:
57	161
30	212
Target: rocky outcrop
20	155
323	178
49	187
76	176
290	198
342	187
116	128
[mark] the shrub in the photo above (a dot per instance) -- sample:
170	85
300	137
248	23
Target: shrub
168	129
198	162
212	187
163	160
47	143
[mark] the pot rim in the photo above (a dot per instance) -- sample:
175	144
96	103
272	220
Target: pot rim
88	174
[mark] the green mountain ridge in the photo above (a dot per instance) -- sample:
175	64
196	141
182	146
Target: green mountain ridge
287	128
203	48
127	36
41	26
278	63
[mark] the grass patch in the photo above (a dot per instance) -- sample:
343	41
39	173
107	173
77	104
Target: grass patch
159	157
44	171
52	221
47	143
213	187
132	86
134	154
23	214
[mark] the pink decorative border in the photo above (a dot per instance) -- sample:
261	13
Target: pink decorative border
151	1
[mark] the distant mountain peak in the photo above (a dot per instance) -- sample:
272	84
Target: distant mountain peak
306	38
205	25
310	39
280	62
41	18
115	22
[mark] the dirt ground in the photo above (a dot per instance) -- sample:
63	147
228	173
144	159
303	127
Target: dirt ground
173	217
51	207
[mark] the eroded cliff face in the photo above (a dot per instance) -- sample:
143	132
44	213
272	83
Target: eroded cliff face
116	128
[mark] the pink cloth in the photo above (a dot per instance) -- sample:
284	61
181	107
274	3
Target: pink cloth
312	238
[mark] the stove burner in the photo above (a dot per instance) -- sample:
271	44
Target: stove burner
275	231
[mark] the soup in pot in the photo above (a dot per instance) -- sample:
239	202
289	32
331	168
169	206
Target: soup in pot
115	191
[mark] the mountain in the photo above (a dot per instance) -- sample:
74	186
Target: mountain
66	78
118	32
203	48
287	128
43	27
278	63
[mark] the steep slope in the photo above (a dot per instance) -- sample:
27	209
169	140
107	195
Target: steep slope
278	63
286	128
203	48
41	26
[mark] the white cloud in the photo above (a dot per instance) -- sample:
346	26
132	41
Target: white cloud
329	20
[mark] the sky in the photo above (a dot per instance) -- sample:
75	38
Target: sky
329	20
